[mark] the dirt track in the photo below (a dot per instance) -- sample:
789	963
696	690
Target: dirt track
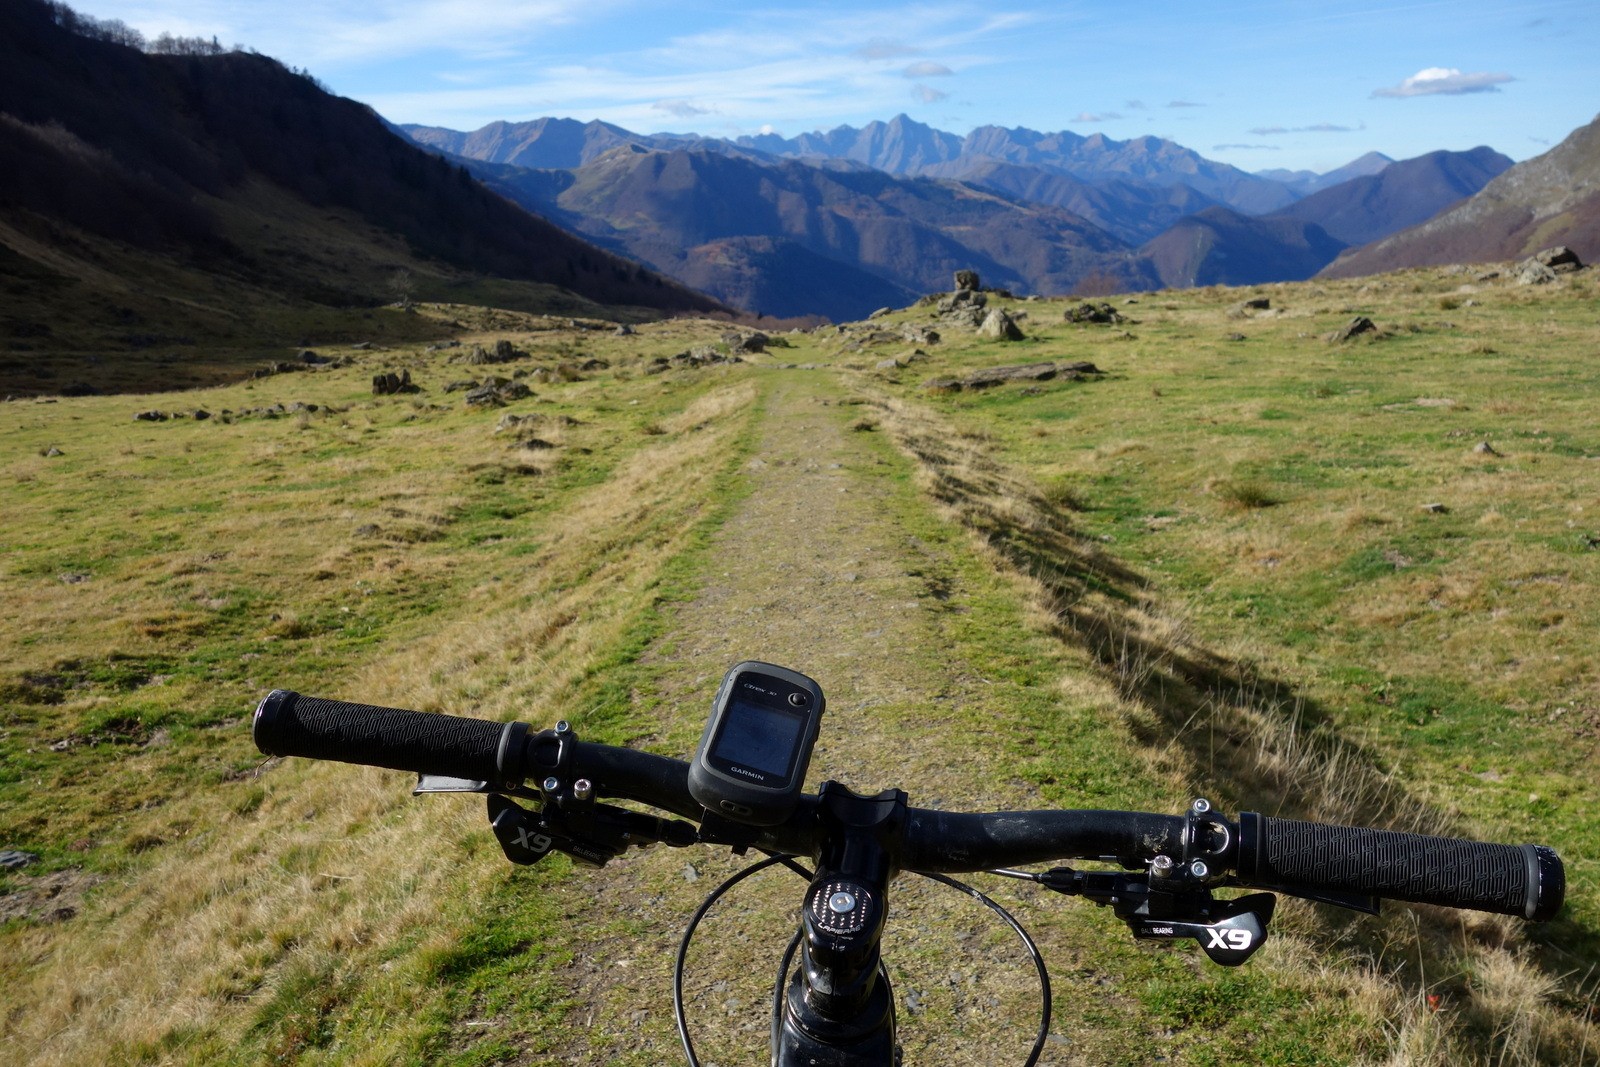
812	571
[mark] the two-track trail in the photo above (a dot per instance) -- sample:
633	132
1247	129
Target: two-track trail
817	569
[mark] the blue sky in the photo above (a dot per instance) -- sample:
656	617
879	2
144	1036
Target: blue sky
1272	83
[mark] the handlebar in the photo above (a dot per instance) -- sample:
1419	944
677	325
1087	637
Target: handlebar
1527	881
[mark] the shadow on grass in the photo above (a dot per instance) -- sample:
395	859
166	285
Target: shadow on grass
1253	738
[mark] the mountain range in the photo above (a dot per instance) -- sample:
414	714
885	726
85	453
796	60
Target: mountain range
207	199
841	222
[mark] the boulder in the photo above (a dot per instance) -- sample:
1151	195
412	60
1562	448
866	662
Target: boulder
1354	328
747	342
997	326
496	391
961	300
1098	313
967	280
151	416
1560	259
391	384
1532	272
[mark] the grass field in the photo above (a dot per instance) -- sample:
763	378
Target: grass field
1244	562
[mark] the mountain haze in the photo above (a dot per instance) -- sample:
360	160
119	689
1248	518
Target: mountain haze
711	219
1398	196
905	146
1306	182
1222	247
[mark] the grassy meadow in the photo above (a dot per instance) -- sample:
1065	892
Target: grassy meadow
1351	581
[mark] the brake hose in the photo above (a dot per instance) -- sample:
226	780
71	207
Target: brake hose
788	956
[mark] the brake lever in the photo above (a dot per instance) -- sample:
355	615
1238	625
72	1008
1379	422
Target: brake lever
593	834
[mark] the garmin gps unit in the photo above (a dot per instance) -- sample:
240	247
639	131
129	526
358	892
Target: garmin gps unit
751	763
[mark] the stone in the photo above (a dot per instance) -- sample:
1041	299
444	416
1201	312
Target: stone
1033	372
13	859
1094	313
151	416
889	364
962	300
1560	259
1237	337
747	342
1259	303
391	384
201	414
503	352
1354	328
997	326
967	279
920	335
1532	272
496	391
624	330
1435	509
880	313
1484	448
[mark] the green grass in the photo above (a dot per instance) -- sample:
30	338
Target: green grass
1127	590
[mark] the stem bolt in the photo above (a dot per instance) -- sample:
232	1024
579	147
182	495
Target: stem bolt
1199	869
1201	805
583	789
550	784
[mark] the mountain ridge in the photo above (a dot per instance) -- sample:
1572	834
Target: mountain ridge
1553	198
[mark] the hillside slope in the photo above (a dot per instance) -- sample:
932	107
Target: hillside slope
1400	195
1222	247
1548	200
174	199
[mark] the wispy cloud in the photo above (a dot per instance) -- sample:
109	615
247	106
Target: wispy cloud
1320	127
680	108
885	48
1448	81
765	66
1247	147
1104	116
1184	103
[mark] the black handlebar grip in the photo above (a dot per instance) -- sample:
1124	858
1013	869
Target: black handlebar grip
1522	880
288	724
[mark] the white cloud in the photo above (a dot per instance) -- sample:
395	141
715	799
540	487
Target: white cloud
680	108
1446	80
1244	147
1104	116
928	94
927	69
